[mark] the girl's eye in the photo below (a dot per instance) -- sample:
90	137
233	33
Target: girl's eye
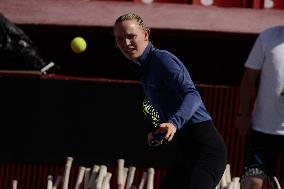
131	36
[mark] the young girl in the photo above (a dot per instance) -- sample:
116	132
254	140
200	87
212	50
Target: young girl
185	122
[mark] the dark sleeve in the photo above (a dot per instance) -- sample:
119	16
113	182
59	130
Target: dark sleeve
178	79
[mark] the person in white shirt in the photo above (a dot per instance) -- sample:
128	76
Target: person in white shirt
262	91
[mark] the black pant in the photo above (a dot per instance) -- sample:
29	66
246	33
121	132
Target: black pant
200	158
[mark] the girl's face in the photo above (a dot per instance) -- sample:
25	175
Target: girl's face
130	38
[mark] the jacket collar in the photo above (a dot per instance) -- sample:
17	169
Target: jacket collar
139	65
145	55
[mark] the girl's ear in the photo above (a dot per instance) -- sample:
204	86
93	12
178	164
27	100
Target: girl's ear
146	36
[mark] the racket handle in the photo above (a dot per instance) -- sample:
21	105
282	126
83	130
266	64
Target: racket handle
157	139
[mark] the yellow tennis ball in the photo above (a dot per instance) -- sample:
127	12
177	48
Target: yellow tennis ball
282	91
78	45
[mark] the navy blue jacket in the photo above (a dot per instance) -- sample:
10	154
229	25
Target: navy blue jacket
169	87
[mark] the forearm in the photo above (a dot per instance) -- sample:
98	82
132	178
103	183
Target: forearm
247	91
188	107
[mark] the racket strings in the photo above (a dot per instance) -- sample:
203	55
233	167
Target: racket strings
151	112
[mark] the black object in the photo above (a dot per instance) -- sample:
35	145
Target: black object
17	51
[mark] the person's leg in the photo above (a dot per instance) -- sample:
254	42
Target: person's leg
175	174
261	157
252	179
210	163
202	162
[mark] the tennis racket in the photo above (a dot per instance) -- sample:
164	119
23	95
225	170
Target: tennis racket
120	173
67	170
150	178
49	182
80	177
152	114
268	181
130	177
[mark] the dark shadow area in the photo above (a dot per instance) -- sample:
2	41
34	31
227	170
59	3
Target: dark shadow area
44	121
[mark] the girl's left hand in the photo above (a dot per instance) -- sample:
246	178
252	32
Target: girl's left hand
169	129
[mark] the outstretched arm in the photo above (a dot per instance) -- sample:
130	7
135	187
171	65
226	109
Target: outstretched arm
247	91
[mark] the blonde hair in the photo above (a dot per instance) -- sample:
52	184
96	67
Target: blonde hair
133	16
